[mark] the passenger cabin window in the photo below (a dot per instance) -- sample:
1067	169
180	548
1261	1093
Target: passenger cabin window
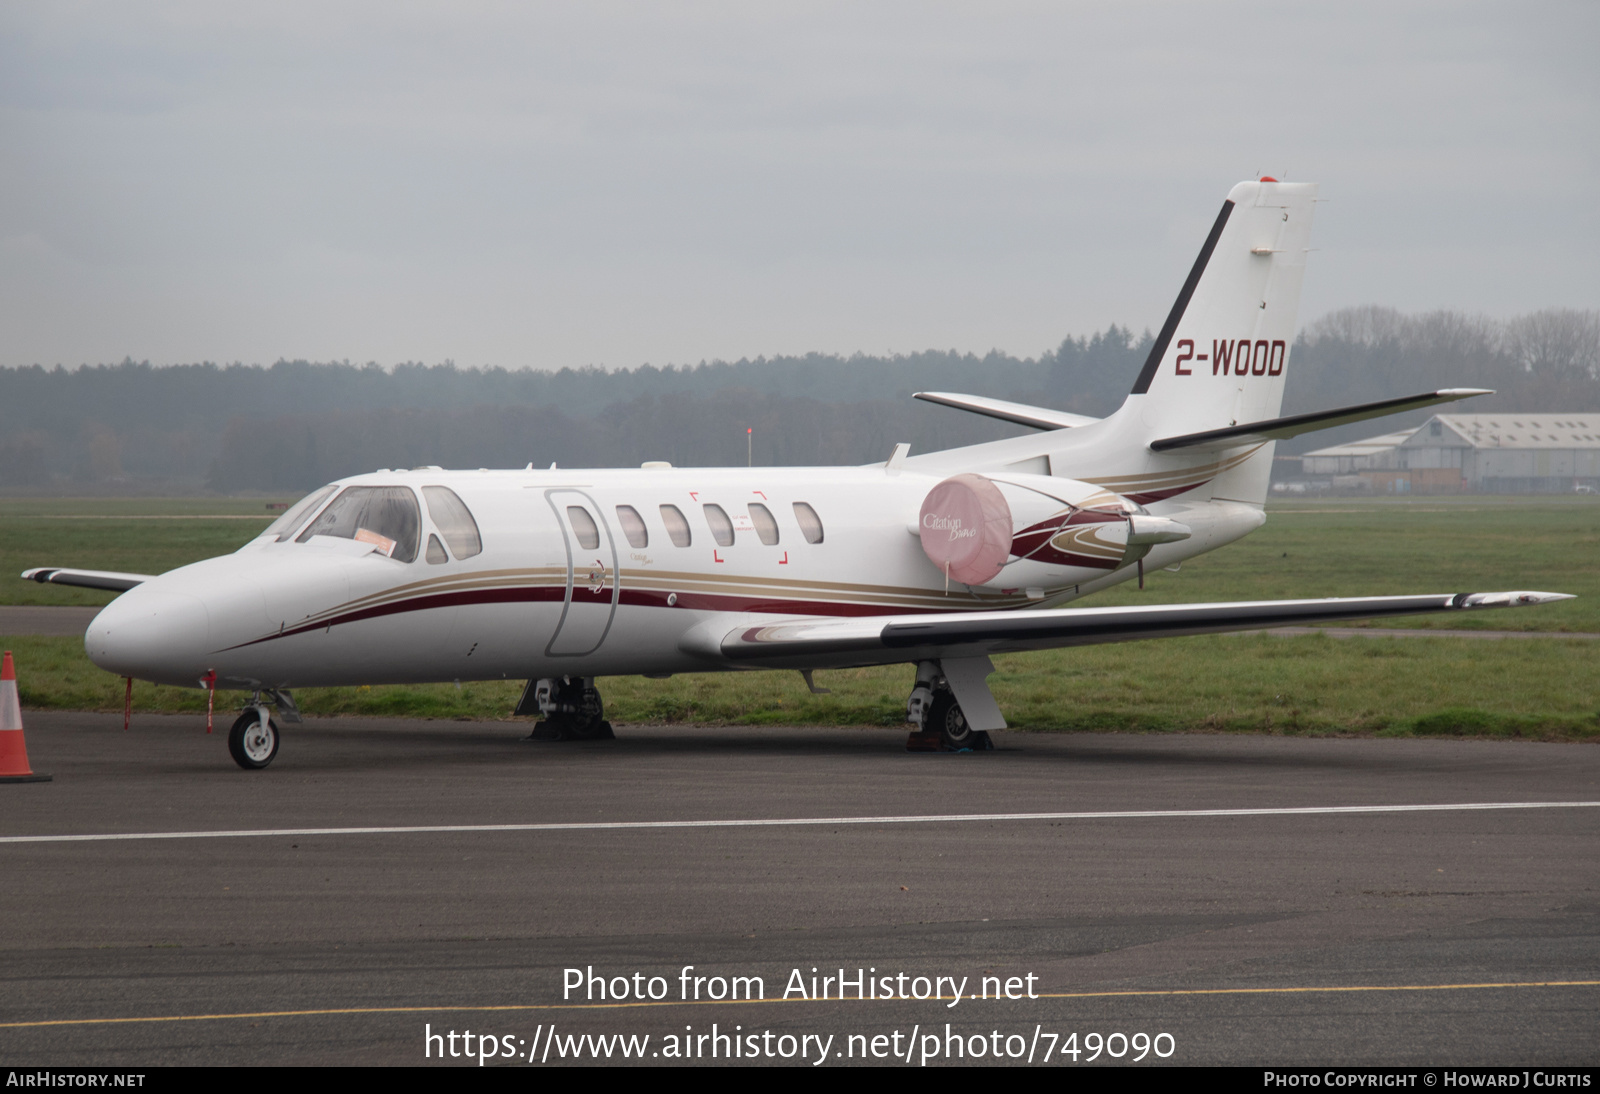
584	527
810	523
721	526
677	525
385	516
454	521
435	553
284	527
633	526
766	525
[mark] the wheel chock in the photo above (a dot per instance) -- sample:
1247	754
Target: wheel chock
557	729
931	741
550	730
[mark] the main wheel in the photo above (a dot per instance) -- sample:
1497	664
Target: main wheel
946	719
251	745
589	721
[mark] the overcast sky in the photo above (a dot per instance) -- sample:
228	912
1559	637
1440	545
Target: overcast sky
593	183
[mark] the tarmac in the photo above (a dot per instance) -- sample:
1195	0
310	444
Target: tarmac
1257	900
45	621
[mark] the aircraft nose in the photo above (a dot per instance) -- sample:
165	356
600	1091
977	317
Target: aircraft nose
152	634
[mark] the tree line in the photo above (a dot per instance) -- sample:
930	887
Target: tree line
137	428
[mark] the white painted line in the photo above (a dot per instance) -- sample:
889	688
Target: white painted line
797	822
1397	632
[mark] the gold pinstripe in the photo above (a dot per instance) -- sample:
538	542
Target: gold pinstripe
677	581
485	579
1084	539
1160	480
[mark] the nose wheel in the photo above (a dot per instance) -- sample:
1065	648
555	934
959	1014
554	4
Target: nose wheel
253	740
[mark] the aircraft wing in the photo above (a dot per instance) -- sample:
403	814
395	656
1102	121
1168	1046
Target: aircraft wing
88	579
830	642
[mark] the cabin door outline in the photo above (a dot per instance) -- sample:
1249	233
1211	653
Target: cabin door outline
593	589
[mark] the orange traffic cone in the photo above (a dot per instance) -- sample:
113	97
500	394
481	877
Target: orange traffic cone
13	752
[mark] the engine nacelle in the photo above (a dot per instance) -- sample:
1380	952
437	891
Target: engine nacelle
1034	531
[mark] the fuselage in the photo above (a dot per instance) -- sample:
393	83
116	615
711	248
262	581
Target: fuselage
580	573
591	573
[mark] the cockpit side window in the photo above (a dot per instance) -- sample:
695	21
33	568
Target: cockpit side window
284	527
454	521
386	516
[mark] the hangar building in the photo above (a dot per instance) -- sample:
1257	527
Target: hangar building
1472	453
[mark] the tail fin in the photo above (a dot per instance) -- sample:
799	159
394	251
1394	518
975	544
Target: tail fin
1222	355
1220	361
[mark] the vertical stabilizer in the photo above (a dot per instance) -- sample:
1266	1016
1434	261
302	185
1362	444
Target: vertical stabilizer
1222	355
1221	359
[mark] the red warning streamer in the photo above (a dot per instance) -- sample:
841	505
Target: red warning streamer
209	682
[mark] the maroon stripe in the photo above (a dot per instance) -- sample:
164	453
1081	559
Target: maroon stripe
718	602
1163	495
641	598
1066	558
513	595
1033	543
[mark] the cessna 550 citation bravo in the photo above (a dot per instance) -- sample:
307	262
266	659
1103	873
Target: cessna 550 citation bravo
938	560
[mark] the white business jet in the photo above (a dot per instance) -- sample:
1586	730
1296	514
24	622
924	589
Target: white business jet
936	560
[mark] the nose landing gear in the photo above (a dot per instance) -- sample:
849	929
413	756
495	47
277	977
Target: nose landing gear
570	707
253	740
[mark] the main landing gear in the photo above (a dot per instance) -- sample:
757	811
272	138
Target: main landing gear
941	724
253	740
569	707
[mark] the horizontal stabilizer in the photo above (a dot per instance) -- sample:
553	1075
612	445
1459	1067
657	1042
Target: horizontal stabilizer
1276	429
1037	417
818	642
88	579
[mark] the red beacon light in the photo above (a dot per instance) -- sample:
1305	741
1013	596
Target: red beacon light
1268	178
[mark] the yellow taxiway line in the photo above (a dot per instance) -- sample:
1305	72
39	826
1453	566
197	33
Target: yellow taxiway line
506	1007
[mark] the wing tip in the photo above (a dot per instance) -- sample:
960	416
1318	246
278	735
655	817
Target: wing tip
1513	599
88	579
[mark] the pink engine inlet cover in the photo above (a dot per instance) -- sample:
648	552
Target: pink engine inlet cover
966	528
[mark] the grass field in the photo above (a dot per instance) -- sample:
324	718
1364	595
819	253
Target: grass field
133	535
1546	688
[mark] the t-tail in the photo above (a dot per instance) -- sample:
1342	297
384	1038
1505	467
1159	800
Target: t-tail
1205	412
1222	356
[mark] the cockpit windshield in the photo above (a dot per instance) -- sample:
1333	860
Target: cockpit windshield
385	516
285	526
